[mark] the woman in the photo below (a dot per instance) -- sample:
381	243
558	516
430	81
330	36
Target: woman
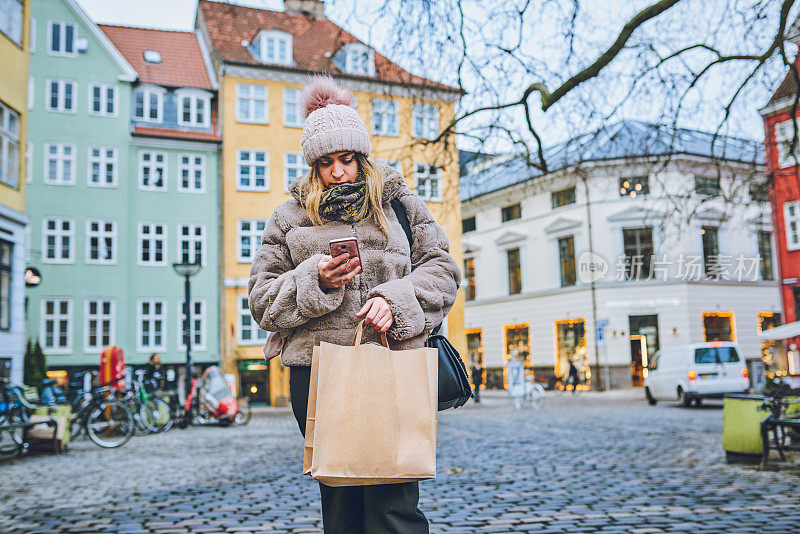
300	291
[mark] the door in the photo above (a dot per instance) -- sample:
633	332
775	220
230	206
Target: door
254	380
638	359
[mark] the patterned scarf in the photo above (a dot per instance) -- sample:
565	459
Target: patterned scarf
343	202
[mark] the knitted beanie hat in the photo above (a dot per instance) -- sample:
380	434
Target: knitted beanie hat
331	124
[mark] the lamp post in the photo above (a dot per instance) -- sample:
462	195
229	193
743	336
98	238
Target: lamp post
187	270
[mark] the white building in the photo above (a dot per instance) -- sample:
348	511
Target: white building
680	245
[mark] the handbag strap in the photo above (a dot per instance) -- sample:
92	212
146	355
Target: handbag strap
402	217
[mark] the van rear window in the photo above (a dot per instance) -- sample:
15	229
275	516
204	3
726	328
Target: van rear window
716	355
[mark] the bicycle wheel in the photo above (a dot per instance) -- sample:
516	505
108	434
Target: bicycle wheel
536	396
244	414
160	414
143	417
10	438
111	424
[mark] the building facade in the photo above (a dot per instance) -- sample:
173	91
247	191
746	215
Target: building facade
636	240
14	48
263	58
121	187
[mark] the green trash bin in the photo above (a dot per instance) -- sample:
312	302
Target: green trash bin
741	427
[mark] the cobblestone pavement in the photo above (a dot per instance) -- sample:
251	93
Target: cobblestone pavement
605	463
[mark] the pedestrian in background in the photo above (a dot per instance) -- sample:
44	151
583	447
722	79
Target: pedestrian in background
572	377
297	289
477	379
153	372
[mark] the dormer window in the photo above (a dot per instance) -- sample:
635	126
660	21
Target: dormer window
148	103
273	46
151	56
193	108
356	58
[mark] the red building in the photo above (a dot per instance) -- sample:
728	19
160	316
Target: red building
782	152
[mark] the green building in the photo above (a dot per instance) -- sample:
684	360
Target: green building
123	157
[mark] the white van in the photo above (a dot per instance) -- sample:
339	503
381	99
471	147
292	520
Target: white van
690	373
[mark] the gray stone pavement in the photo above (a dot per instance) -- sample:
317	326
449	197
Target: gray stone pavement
592	462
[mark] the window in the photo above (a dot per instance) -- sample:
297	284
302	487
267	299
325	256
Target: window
291	108
11	19
58	236
191	173
469	275
251	171
6	255
718	326
784	135
384	117
152	56
355	58
98	331
468	225
148	104
765	255
59	163
791	221
103	99
249	237
152	170
716	355
429	185
152	244
197	321
634	186
193	109
706	185
192	243
759	192
61	38
33	36
151	315
514	271
511	213
56	326
101	242
9	146
710	237
393	163
562	197
102	168
425	121
60	96
274	47
251	103
566	260
249	332
638	247
294	165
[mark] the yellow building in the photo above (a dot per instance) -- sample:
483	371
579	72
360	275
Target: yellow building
263	59
14	60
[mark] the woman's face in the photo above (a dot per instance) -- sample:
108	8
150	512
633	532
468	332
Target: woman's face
337	168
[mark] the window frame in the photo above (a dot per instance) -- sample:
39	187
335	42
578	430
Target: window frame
350	61
429	114
380	110
141	237
103	160
100	317
61	96
708	243
9	146
471	286
422	171
8	28
252	165
252	100
60	159
243	312
59	234
57	316
647	260
6	271
148	92
556	197
788	219
100	234
474	224
62	37
278	37
153	165
701	184
300	166
512	212
295	103
254	233
194	316
195	96
151	316
191	239
630	190
508	251
765	263
567	278
104	101
192	166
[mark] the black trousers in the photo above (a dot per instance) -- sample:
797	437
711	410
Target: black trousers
384	508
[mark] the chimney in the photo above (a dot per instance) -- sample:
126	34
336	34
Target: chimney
309	8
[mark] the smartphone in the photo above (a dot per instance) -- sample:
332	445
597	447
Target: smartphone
348	245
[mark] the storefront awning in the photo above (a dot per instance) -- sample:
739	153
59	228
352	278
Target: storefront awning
783	331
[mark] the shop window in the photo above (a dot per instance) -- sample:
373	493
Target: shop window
571	347
518	346
718	326
773	353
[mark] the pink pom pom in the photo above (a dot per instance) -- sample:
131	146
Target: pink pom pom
323	91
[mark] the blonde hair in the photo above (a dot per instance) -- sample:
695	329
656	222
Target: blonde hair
372	208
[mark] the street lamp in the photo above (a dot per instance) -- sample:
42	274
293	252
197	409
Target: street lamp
187	270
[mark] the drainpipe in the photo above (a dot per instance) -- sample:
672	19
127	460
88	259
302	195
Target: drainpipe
601	384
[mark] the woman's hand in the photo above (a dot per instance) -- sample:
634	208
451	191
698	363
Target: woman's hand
336	272
378	314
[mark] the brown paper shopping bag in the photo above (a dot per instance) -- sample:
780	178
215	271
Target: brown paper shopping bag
371	414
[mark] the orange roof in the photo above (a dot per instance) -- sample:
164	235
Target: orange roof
172	133
181	64
228	25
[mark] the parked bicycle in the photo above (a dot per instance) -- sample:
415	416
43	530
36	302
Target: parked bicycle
150	413
15	413
107	421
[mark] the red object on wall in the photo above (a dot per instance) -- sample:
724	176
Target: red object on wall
112	366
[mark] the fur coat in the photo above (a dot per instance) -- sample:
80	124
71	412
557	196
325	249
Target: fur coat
284	291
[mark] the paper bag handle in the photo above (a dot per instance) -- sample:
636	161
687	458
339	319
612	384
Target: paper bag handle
360	329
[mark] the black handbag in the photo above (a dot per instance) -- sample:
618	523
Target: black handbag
454	387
